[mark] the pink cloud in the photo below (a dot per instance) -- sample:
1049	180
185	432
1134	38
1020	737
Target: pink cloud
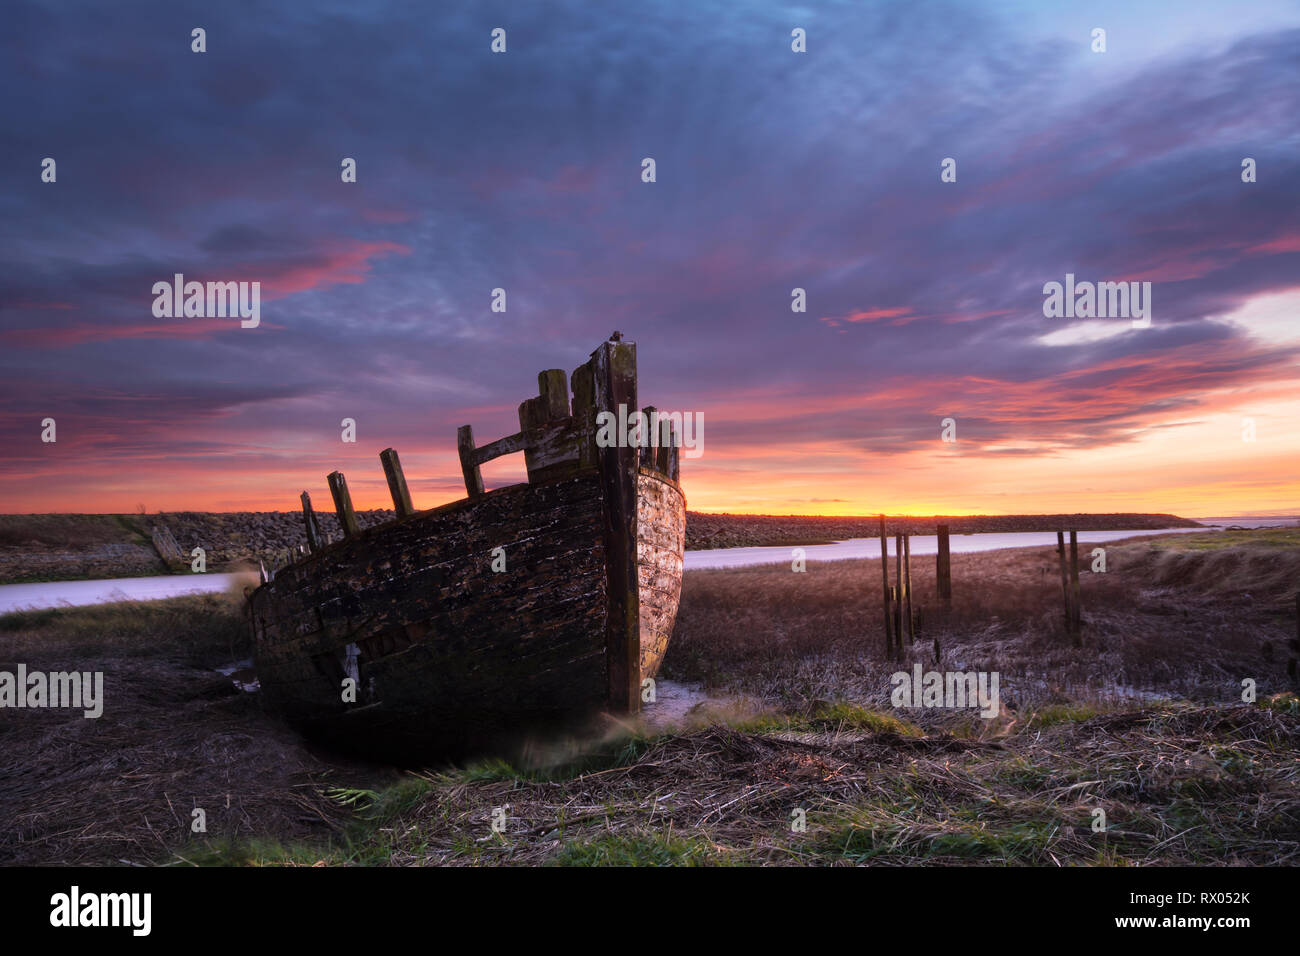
339	264
872	315
1281	244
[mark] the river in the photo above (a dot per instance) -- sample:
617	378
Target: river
14	597
919	544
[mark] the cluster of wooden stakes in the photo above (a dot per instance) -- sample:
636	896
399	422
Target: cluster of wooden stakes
338	485
903	621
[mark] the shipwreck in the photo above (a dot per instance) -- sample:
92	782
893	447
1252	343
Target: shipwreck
468	626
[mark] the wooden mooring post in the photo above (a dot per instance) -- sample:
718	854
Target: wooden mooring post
1065	578
1293	663
1069	569
898	595
943	566
907	588
885	602
1076	616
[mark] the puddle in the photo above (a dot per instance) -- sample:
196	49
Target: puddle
674	704
242	675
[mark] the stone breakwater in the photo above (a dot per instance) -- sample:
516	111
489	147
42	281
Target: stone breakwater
229	539
70	547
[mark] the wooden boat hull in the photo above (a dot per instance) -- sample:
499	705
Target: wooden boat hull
463	628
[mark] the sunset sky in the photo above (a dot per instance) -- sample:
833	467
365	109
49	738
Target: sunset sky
775	170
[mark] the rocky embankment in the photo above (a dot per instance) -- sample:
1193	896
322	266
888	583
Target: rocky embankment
69	547
64	547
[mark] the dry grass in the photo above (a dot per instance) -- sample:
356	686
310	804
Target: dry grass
1203	780
1187	624
175	735
67	531
1177	787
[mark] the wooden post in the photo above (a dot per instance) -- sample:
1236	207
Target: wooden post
1065	581
614	368
396	483
898	594
943	565
650	438
584	413
1076	617
664	453
313	526
907	587
468	464
343	504
673	468
895	602
553	389
1292	664
884	575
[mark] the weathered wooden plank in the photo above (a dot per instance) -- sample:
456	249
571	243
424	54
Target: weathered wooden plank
584	413
552	439
314	541
614	367
648	437
661	543
673	467
468	463
343	504
164	542
496	651
553	389
554	450
396	483
502	446
533	414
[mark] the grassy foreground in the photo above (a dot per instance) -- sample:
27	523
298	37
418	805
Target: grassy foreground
802	761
